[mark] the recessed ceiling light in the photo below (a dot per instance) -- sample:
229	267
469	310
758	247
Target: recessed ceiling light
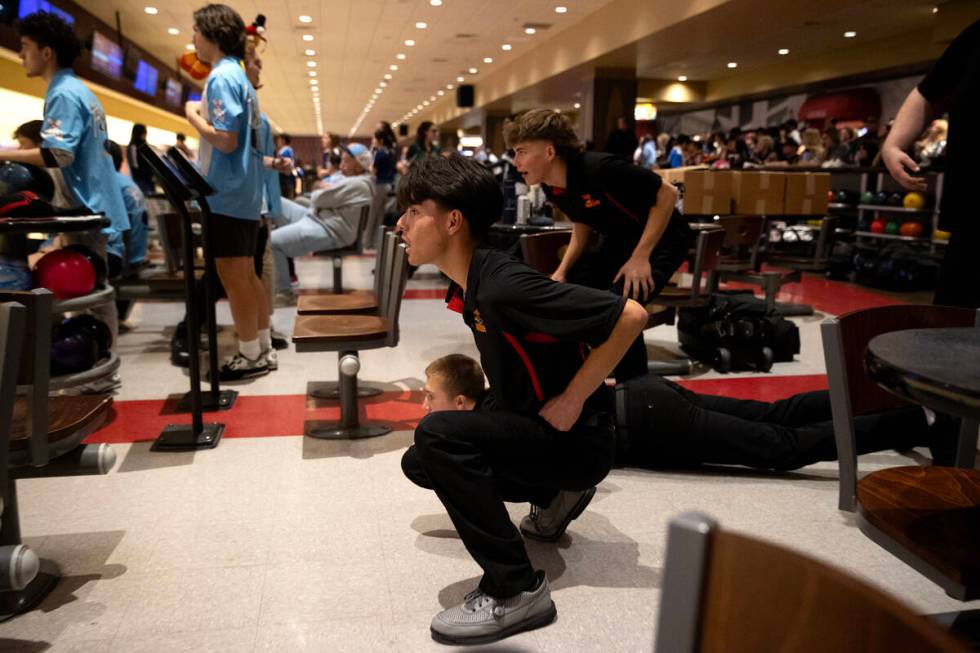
435	3
560	10
506	47
305	19
577	105
432	98
393	67
312	73
530	30
382	84
440	92
473	71
418	107
487	59
409	42
309	53
682	78
387	75
311	64
307	37
850	35
189	46
377	90
935	10
783	51
421	25
153	11
460	79
400	56
732	64
425	102
449	87
173	31
313	82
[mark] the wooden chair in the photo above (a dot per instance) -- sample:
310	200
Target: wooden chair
742	259
731	593
929	517
544	251
338	254
347	335
46	435
353	301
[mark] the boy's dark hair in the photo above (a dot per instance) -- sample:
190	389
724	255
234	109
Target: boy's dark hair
181	137
223	26
115	151
30	130
334	159
455	183
50	31
461	375
682	139
138	134
544	125
285	138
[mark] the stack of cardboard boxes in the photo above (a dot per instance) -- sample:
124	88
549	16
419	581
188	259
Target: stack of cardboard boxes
747	192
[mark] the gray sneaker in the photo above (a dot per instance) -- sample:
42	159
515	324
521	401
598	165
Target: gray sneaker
549	524
271	359
480	618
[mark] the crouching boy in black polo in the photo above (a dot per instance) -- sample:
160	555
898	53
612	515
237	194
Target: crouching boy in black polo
547	348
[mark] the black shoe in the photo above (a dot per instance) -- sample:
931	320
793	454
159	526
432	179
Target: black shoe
279	343
179	355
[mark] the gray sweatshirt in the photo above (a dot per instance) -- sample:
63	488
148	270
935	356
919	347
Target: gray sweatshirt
338	207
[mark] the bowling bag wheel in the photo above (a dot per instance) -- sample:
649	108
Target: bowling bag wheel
736	332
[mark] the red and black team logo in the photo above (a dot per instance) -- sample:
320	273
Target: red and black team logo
478	321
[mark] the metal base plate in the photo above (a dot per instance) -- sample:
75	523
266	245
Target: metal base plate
331	390
181	437
325	430
15	603
209	403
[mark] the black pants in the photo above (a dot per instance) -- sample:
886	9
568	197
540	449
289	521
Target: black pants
599	266
476	460
668	425
959	276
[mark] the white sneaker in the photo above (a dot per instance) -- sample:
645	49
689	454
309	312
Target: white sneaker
271	357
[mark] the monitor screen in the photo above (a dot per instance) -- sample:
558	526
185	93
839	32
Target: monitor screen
146	78
30	6
175	91
106	56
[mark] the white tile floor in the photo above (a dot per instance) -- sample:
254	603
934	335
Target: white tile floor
291	544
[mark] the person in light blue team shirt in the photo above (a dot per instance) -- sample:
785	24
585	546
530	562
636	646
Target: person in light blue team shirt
227	118
135	203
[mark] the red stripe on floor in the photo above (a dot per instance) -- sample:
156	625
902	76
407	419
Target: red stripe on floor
283	415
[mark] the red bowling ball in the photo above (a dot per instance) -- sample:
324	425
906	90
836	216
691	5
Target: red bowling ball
65	273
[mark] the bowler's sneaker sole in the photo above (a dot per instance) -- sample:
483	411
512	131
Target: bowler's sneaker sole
572	515
532	623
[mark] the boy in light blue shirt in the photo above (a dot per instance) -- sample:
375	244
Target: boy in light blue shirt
227	118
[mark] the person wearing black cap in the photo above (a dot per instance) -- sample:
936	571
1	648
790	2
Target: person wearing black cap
643	238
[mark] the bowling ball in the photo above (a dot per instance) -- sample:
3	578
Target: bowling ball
912	228
878	226
867	197
73	353
830	196
892	228
841	197
915	201
881	198
864	225
15	177
939	234
65	273
895	199
98	262
87	325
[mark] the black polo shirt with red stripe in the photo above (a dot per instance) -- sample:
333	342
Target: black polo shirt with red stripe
614	197
533	334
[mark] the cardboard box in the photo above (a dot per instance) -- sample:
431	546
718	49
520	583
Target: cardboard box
706	192
759	193
806	193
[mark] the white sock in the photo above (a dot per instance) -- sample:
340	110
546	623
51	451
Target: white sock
249	349
265	338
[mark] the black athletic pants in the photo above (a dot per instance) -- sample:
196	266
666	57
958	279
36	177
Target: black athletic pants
476	460
668	425
959	276
598	267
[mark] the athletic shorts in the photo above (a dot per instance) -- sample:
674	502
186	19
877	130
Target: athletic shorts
231	237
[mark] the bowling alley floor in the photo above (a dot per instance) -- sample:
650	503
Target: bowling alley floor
278	542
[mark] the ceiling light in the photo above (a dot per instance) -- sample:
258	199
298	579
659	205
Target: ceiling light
400	56
313	82
506	47
378	91
732	64
440	92
682	78
393	67
935	10
387	75
577	105
425	102
311	64
409	42
432	98
382	84
487	59
473	71
312	73
529	30
560	10
850	35
418	107
783	51
460	79
305	19
307	37
309	53
435	3
449	87
421	25
189	46
173	31
153	11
